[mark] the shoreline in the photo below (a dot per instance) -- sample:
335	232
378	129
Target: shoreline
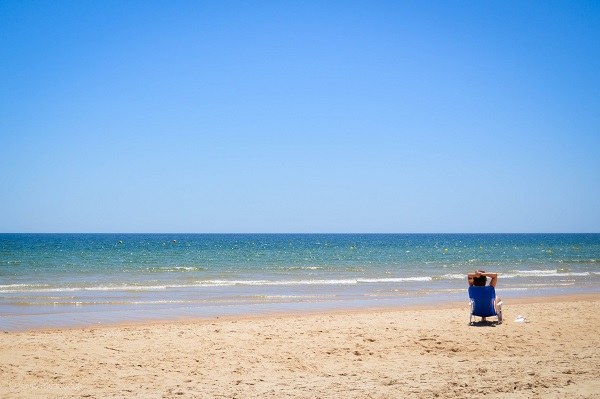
298	314
430	305
417	352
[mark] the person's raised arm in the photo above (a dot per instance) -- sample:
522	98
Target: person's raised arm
471	277
493	276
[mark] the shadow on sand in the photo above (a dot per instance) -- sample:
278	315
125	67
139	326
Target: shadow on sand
485	323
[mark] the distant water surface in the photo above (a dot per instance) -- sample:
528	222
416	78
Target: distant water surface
55	280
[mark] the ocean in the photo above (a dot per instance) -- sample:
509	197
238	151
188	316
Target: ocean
61	280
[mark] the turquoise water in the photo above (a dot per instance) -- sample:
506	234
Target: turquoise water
68	279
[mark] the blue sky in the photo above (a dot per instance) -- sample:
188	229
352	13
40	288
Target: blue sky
299	116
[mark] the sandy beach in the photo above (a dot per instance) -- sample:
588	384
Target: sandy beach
382	353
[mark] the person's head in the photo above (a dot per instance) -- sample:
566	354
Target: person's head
481	280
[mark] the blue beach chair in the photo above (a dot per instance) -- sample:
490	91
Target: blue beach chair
482	303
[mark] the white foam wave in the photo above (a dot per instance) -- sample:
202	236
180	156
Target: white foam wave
454	277
160	302
312	282
176	269
296	296
546	273
34	288
5	286
394	280
210	283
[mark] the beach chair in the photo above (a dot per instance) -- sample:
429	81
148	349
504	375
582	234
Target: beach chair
482	303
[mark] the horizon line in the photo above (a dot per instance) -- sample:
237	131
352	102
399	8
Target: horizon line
299	233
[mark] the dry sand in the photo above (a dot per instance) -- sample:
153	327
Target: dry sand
417	352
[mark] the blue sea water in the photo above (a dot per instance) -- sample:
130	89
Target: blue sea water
55	280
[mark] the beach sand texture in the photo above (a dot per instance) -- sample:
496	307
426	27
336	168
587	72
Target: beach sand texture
420	353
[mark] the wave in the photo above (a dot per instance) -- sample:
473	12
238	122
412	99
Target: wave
141	286
2	286
12	288
164	269
452	277
351	281
544	273
525	273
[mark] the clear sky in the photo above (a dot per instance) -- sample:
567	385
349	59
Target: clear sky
299	116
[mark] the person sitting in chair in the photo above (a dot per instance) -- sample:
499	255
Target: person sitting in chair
479	279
